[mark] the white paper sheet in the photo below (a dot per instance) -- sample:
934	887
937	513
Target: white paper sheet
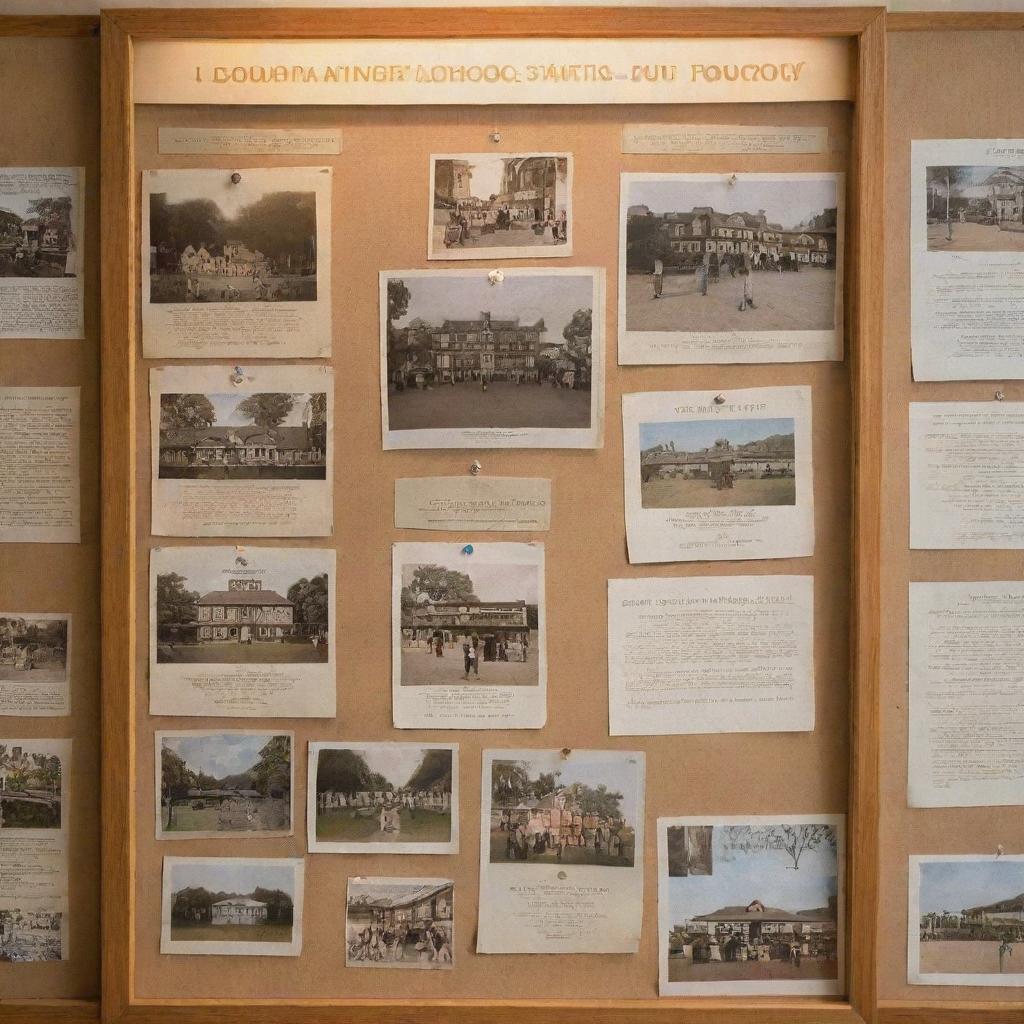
697	139
35	664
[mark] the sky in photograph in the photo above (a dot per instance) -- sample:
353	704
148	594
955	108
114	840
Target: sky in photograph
784	202
205	569
971	187
693	435
219	754
239	875
460	296
224	406
956	885
385	888
487	171
216	185
395	761
491	582
18	202
767	875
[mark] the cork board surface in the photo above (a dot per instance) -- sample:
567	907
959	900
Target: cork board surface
983	103
380	194
50	90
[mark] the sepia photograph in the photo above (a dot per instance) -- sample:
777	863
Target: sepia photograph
31	931
966	920
500	206
382	798
232	906
243	436
34	648
973	208
468	363
31	784
750	905
575	812
717	463
223	784
39	229
400	922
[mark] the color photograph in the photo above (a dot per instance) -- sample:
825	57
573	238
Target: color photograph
975	208
34	648
32	931
31	785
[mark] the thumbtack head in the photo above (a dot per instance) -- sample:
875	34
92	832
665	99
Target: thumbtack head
999	396
495	277
719	399
495	136
468	549
236	178
237	377
475	467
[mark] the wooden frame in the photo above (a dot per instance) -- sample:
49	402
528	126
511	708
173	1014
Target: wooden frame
119	353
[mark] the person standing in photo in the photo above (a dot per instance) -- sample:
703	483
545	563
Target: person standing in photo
658	277
1005	950
702	274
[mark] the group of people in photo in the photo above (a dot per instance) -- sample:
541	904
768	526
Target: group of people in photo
531	837
397	943
465	224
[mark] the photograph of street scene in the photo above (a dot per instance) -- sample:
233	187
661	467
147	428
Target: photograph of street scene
245	244
217	783
34	649
495	205
461	352
30	786
752	903
243	436
575	813
470	623
400	922
228	901
381	794
30	934
975	208
717	463
211	610
37	235
712	255
971	917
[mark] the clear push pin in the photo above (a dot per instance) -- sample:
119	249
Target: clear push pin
475	467
495	136
999	396
732	180
719	399
495	277
237	377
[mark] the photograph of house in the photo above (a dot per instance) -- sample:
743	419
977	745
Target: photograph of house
37	235
31	785
975	208
34	648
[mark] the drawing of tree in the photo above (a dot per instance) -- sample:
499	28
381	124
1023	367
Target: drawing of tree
795	840
266	409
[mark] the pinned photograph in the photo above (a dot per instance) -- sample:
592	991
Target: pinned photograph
32	786
41	246
718	475
740	269
33	931
561	851
468	624
242	631
400	922
35	652
500	206
750	906
242	451
221	785
383	798
467	362
966	923
221	906
237	262
972	208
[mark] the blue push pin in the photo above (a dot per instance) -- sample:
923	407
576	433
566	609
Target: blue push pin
468	549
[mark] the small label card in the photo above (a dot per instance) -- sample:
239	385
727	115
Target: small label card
722	138
465	503
257	141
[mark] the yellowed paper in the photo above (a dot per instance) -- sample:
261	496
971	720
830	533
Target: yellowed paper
255	141
697	139
467	503
35	664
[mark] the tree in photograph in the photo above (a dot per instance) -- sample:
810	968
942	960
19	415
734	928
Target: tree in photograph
942	183
54	212
603	802
546	783
311	599
273	770
279	904
437	583
318	420
186	412
195	222
346	771
175	780
192	905
266	409
433	772
689	850
510	782
398	305
281	225
174	602
794	840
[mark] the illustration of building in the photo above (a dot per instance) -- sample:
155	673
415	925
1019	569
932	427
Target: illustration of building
243	613
238	910
453	183
240	446
232	259
489	621
1006	194
756	922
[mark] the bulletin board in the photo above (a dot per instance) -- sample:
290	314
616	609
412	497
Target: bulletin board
986	51
49	78
380	189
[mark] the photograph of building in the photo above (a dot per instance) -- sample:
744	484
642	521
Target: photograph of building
240	436
30	935
34	648
31	777
37	236
975	208
707	254
400	922
716	463
499	205
460	353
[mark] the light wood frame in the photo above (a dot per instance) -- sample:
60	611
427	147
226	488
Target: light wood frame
866	27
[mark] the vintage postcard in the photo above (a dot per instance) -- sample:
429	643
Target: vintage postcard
494	206
41	246
224	785
710	654
400	922
232	906
468	636
242	632
35	660
561	851
751	905
470	363
967	258
730	269
460	504
383	798
33	931
718	476
242	452
40	501
237	263
966	920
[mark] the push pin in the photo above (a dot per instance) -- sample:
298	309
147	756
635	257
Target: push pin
999	851
999	396
236	178
732	180
495	136
565	753
719	399
495	276
561	876
475	467
468	549
237	377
